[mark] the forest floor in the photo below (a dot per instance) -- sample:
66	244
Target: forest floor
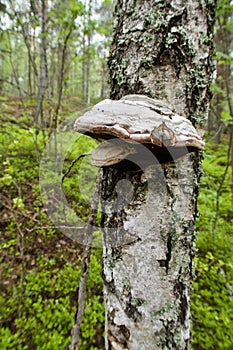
40	266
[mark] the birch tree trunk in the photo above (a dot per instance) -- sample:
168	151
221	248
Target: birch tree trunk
161	49
43	80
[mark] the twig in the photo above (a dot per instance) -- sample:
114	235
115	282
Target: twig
82	291
22	213
73	163
57	227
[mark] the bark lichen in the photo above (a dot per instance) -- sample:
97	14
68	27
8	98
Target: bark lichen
160	49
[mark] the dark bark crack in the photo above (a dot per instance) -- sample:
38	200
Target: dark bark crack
180	289
169	252
119	335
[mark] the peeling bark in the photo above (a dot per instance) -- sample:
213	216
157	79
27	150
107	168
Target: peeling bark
161	49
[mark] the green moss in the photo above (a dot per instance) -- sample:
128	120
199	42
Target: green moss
147	62
137	302
150	93
126	284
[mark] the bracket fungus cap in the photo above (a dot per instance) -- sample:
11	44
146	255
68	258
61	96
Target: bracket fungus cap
138	119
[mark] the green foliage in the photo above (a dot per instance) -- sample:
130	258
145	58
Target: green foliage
79	193
40	267
68	25
212	301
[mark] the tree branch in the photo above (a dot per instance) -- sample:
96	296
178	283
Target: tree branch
72	165
82	290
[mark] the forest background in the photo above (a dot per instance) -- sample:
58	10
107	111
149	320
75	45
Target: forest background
53	66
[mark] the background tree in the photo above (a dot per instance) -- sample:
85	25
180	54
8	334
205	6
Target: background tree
43	76
50	39
221	112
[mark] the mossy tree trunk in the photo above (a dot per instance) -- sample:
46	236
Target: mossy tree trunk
161	49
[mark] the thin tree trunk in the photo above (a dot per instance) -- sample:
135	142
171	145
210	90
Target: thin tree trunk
25	33
84	70
219	103
29	71
220	187
223	39
62	72
33	60
52	70
88	65
103	78
163	50
43	81
88	70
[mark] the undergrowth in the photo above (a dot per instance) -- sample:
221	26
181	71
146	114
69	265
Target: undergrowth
40	266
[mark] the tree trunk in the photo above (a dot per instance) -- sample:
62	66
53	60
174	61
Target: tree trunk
29	74
83	68
88	72
33	61
43	81
163	50
103	78
61	73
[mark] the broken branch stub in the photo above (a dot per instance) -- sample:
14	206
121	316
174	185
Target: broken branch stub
137	119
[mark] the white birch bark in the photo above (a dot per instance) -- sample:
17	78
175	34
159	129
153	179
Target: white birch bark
161	49
43	77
